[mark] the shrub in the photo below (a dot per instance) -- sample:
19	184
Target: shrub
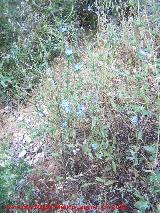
96	107
13	178
27	51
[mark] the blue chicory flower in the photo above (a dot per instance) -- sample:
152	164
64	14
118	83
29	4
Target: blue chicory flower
42	114
134	119
94	146
64	124
53	83
96	12
89	8
63	29
68	51
66	106
80	110
77	67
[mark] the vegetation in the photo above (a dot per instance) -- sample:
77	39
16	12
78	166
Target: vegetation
91	69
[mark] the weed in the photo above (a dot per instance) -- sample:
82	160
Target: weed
97	103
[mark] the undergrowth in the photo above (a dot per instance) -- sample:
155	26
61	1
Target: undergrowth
98	105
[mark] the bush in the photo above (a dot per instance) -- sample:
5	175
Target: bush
96	105
31	38
99	108
26	52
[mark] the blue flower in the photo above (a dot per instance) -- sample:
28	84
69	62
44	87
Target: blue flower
63	29
80	110
68	51
42	114
96	12
77	67
64	124
89	8
66	106
94	146
134	119
53	83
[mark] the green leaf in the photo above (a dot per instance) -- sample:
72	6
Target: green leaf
114	167
59	178
4	85
94	122
140	135
85	148
71	145
155	182
56	154
105	182
155	177
138	195
151	149
88	184
142	204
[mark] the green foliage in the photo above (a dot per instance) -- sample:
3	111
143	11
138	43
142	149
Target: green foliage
29	45
7	35
97	102
142	205
154	179
13	178
25	54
